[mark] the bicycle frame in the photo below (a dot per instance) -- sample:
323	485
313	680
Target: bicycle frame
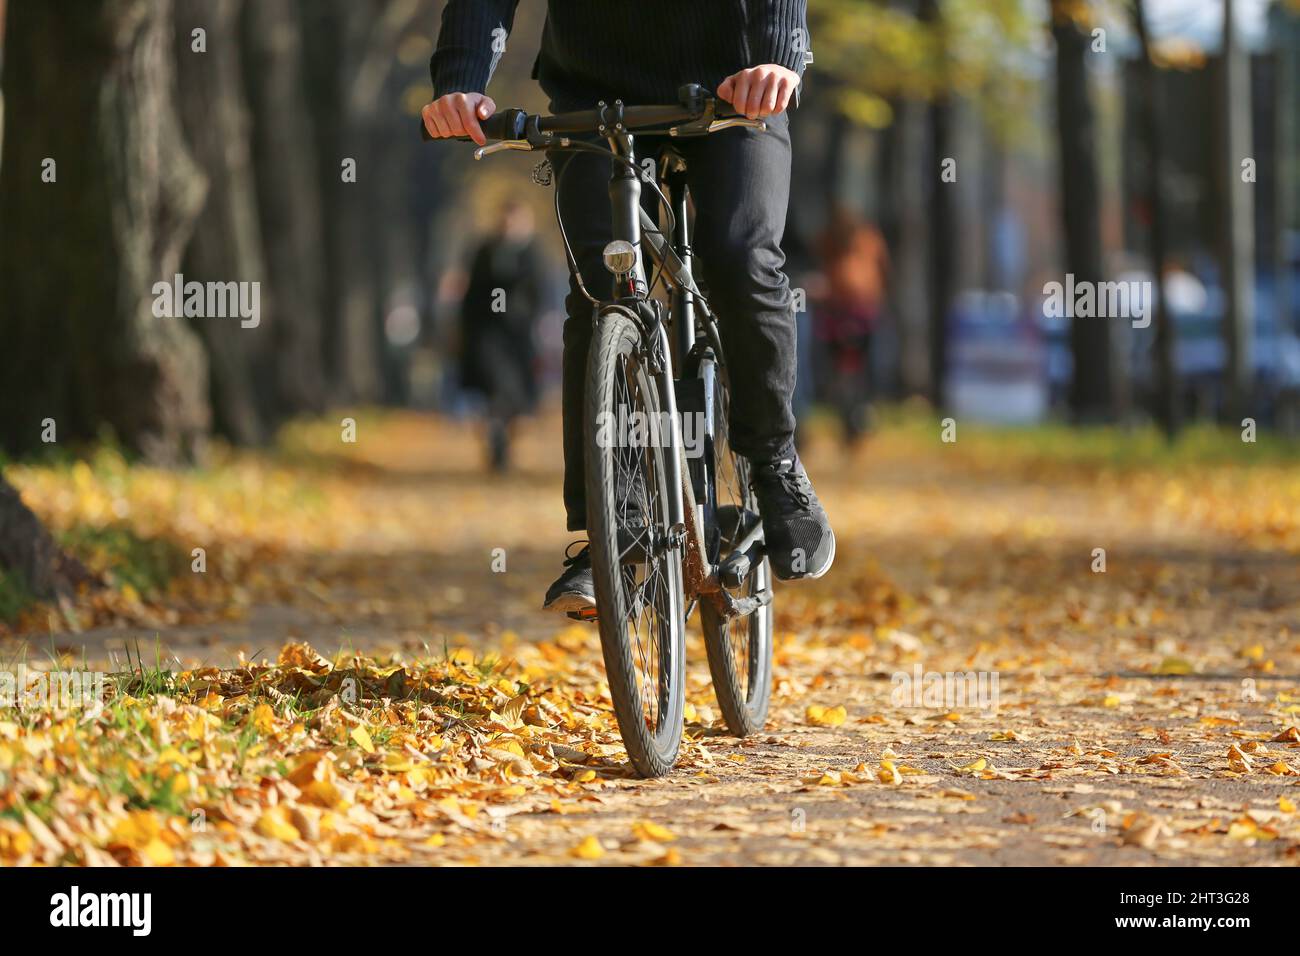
632	224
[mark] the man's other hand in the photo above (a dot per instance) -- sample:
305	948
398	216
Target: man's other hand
458	114
760	90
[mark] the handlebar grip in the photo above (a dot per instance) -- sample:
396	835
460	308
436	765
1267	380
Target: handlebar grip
505	124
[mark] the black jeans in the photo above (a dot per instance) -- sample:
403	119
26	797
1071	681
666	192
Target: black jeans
740	185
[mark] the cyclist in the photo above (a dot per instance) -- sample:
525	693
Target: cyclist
641	51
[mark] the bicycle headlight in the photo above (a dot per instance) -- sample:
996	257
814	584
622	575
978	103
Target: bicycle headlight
620	257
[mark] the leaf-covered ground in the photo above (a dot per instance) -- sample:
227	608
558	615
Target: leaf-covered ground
352	678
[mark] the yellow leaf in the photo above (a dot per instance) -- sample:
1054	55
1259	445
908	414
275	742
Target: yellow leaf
322	793
273	824
1246	829
1219	721
648	830
825	716
828	778
1285	805
362	737
158	853
264	718
588	849
136	830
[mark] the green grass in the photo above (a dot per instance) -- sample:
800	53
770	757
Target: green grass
1123	447
147	564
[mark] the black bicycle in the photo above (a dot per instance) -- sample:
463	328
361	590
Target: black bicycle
668	530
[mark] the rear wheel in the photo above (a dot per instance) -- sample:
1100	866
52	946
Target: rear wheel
638	576
739	649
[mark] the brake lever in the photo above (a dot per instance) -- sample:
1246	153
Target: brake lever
707	124
520	144
740	121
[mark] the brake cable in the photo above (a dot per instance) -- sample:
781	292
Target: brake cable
570	258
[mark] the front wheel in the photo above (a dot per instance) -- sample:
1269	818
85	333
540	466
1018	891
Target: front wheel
636	568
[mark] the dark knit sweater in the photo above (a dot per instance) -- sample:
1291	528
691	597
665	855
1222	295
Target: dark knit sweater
639	51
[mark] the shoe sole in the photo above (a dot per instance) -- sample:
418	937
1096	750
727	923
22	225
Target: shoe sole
570	603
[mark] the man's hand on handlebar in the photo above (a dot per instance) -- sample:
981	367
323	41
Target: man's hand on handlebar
458	114
760	91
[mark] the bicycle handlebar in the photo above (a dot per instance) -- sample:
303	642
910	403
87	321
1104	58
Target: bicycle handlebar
514	124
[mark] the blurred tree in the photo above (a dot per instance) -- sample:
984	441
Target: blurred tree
227	243
288	199
28	552
1168	411
1237	217
97	198
1284	27
942	215
351	48
1091	385
323	37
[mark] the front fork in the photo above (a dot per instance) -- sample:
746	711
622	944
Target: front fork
631	292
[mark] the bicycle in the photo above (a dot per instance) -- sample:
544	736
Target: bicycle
664	529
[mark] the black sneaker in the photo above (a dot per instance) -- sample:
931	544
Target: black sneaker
798	535
573	592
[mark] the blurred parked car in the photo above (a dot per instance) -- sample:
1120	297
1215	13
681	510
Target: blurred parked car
997	360
1197	304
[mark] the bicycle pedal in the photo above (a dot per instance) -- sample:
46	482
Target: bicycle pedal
586	615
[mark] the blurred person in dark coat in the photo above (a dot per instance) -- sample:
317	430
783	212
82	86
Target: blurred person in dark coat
503	300
855	261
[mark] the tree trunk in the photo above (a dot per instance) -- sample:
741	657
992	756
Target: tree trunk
1091	396
1237	249
1168	408
942	215
288	198
913	285
227	245
28	551
338	34
97	198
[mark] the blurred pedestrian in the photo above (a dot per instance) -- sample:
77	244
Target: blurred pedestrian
503	300
855	262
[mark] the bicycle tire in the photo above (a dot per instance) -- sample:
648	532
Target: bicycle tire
739	650
651	734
